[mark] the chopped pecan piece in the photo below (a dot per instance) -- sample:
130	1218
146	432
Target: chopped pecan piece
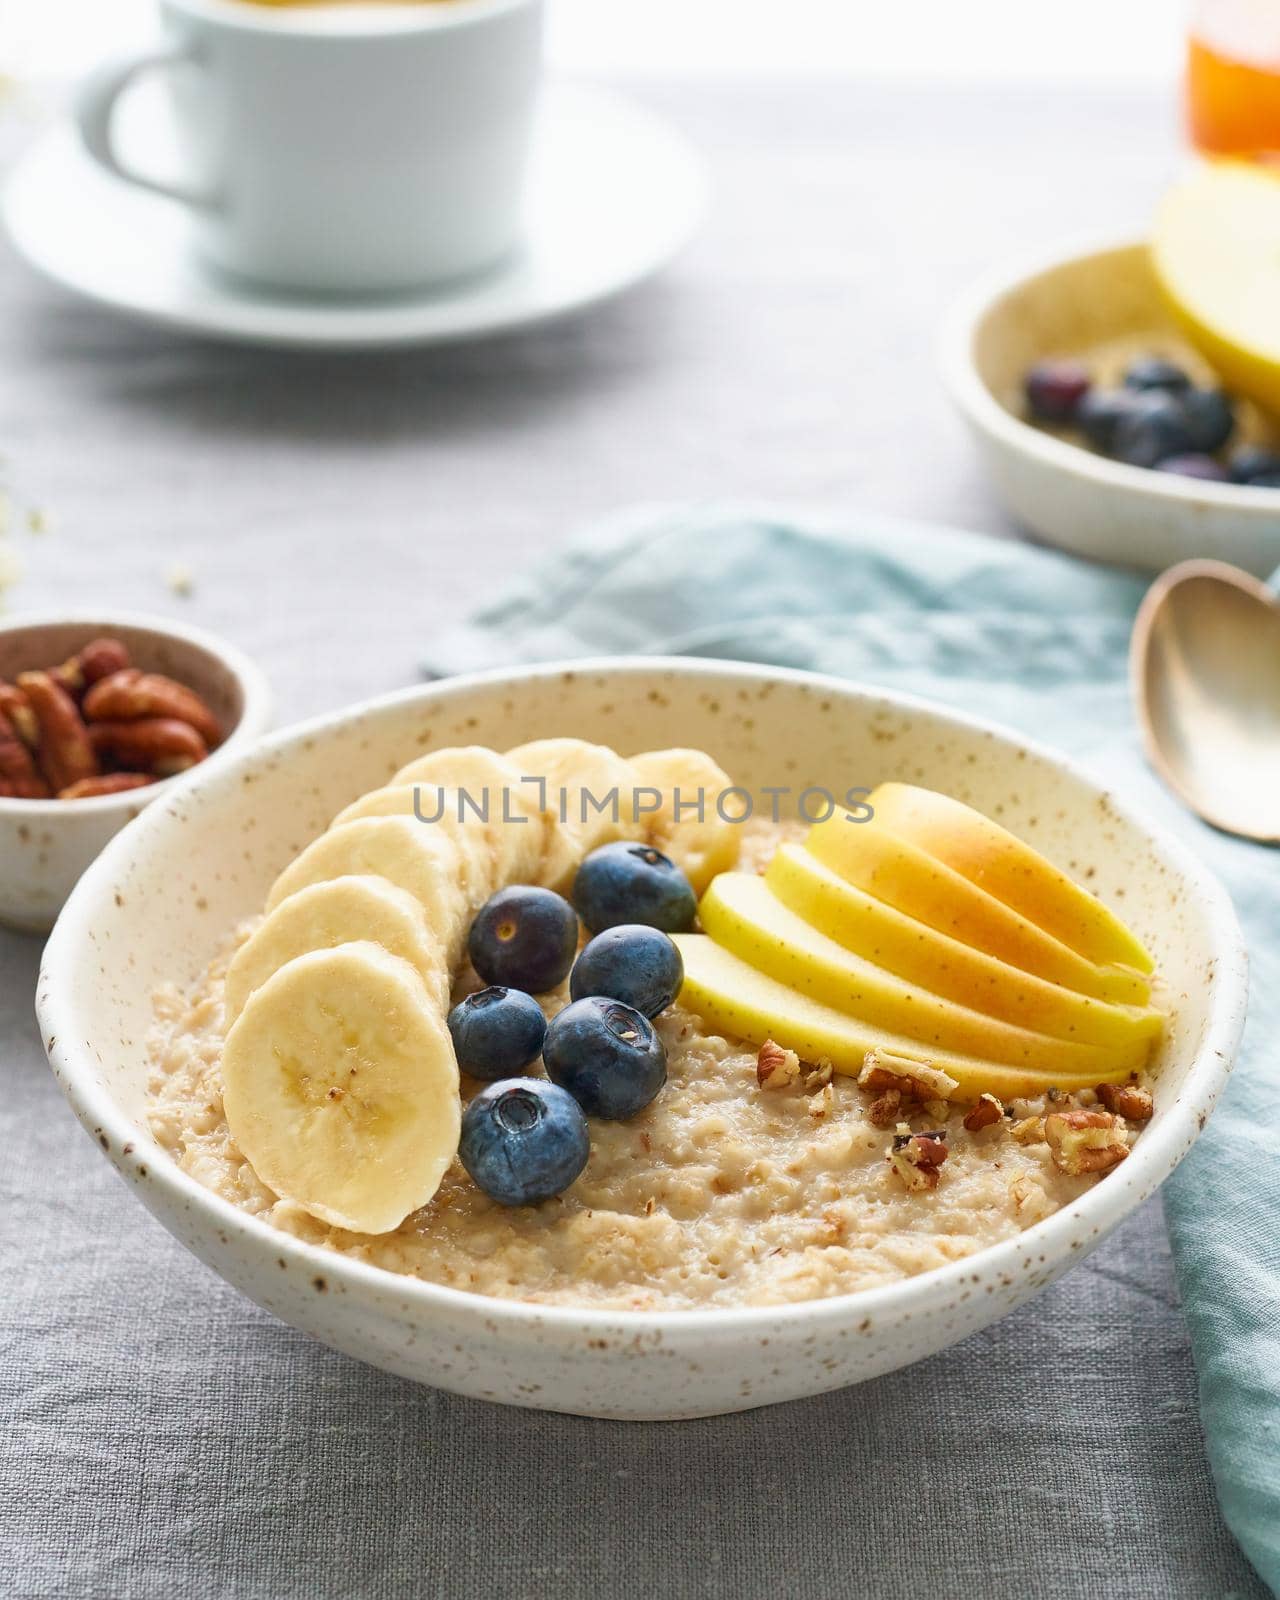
1127	1100
984	1114
885	1109
1085	1141
820	1104
916	1157
820	1076
776	1068
1028	1130
880	1070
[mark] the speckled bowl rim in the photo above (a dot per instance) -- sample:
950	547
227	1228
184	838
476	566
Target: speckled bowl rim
984	410
255	712
1154	1157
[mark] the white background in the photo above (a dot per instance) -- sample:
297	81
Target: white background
994	40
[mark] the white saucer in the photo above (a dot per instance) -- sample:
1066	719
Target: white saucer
614	193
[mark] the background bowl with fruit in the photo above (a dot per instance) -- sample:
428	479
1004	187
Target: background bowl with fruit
1102	427
241	819
97	713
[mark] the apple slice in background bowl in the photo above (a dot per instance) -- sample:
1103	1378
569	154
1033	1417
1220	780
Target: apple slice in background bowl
223	834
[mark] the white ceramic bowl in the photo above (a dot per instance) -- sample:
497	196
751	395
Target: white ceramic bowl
46	844
166	894
1099	303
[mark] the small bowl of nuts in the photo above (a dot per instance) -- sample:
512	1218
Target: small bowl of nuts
96	715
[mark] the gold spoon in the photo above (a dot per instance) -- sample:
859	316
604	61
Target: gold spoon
1204	662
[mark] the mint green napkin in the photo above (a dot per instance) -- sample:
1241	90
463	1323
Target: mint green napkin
1035	640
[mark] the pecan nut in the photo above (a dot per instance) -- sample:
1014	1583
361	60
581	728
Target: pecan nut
63	750
776	1067
106	783
917	1157
98	659
22	719
1085	1141
159	745
984	1114
130	695
19	776
917	1079
1127	1100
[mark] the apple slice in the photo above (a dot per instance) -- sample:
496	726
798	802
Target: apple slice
935	961
741	912
1216	255
906	877
1008	868
737	1000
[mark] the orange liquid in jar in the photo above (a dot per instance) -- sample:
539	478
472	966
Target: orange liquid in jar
1233	107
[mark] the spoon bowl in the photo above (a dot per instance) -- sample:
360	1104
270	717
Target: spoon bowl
1205	667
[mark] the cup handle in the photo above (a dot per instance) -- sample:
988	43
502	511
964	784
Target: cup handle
95	105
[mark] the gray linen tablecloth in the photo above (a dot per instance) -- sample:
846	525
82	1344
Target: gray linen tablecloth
159	1435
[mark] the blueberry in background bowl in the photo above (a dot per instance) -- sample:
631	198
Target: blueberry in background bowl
523	1140
524	938
629	882
497	1032
1155	373
1055	389
1153	427
633	963
607	1056
1210	418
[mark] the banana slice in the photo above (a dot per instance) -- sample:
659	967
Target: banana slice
341	1087
425	863
688	827
490	783
339	911
587	799
438	809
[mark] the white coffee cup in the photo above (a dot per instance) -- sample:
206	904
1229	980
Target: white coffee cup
349	148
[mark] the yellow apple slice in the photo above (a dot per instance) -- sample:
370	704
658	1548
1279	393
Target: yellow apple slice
908	878
935	961
1009	869
742	1003
742	913
1216	255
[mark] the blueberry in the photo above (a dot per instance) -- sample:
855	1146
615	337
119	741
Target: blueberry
497	1032
607	1056
625	882
1254	463
1194	466
1150	430
523	1140
1154	372
1210	417
1054	389
1100	413
633	963
524	938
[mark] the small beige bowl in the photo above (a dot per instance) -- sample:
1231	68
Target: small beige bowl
1103	306
46	844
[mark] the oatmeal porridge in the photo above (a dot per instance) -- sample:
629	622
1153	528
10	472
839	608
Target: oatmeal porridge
765	1171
